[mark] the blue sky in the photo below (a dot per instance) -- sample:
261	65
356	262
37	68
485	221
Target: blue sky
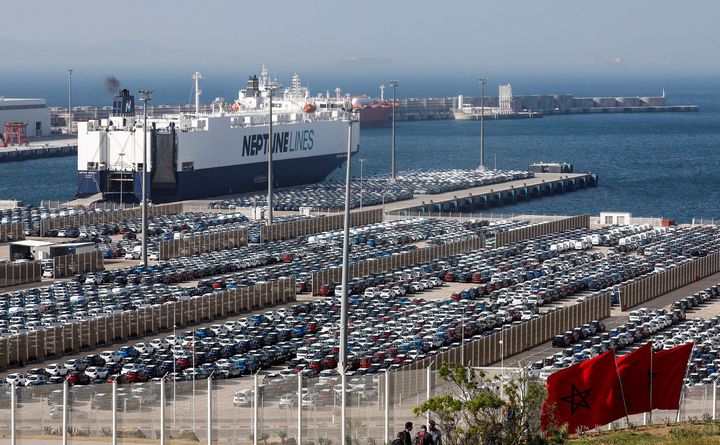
326	39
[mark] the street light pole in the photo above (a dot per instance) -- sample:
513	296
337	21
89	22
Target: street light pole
342	362
362	163
393	174
482	121
69	122
271	90
145	97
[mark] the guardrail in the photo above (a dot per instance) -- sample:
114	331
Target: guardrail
398	261
19	350
203	243
546	228
114	216
305	226
15	274
69	265
653	285
11	232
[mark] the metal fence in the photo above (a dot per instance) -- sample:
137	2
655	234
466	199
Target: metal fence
15	274
546	228
19	350
649	286
69	265
111	216
396	261
203	243
11	232
248	411
305	226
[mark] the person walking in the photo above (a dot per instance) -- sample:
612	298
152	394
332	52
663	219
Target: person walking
407	434
435	433
423	437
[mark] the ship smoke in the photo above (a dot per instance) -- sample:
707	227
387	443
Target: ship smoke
112	84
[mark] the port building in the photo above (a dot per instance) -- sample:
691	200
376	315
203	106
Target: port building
32	112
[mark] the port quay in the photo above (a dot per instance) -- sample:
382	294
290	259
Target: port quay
119	353
321	310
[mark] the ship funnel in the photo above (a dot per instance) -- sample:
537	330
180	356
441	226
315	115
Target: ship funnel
124	104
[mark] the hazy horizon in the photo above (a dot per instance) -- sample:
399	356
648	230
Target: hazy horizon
434	49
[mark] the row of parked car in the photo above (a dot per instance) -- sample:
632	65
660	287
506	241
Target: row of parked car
374	190
666	328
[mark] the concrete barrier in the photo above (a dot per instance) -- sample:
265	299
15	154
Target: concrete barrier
11	232
546	228
203	243
19	350
306	226
652	285
15	274
396	261
69	265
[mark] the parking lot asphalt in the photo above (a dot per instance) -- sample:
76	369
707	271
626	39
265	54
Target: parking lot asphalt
618	317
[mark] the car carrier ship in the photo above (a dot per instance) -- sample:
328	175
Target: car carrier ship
223	152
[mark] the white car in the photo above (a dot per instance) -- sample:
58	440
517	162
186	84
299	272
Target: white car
144	348
56	369
110	356
96	372
16	377
160	343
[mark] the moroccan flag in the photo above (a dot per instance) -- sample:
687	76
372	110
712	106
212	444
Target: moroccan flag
669	368
635	370
584	395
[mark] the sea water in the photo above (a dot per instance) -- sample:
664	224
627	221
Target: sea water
650	164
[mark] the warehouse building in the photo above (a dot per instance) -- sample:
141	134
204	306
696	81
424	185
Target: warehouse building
32	112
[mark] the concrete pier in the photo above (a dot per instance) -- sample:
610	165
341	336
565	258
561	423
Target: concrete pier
495	195
40	148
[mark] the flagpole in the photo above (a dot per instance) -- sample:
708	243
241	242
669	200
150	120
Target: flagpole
622	391
682	391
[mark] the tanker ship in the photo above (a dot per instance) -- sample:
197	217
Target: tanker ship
221	152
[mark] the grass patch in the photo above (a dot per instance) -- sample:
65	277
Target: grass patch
707	433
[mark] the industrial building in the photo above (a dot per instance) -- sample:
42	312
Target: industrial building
33	114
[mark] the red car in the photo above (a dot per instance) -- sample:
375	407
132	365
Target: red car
77	378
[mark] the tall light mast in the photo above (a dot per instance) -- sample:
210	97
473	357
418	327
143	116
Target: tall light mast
198	92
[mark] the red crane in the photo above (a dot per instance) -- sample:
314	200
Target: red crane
14	131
